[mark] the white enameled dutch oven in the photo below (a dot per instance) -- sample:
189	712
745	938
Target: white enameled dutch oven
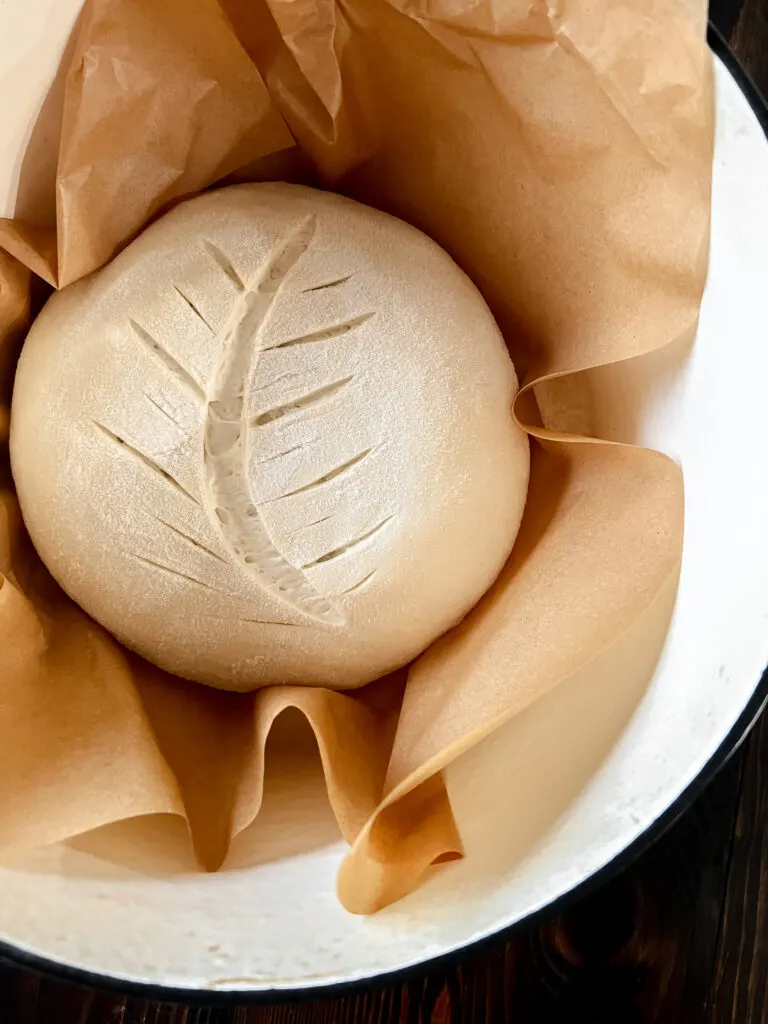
126	906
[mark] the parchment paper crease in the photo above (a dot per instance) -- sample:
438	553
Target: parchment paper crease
561	152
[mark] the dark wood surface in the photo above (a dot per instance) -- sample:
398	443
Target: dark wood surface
681	937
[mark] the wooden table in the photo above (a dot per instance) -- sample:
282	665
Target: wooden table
681	937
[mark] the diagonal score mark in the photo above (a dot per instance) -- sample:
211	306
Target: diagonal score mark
191	540
342	549
329	284
193	307
144	460
308	526
170	571
164	356
162	410
224	262
332	474
256	622
291	375
359	585
334	331
280	455
270	622
304	402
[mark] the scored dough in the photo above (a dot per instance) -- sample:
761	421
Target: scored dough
272	441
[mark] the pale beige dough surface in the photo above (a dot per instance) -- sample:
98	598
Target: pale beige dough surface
272	442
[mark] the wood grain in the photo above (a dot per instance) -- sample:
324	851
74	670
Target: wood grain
740	979
681	937
749	40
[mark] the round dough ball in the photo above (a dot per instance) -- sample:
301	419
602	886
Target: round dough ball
272	441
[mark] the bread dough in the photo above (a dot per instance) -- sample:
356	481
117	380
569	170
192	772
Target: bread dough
272	441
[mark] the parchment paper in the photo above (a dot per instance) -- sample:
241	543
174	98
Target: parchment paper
561	152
